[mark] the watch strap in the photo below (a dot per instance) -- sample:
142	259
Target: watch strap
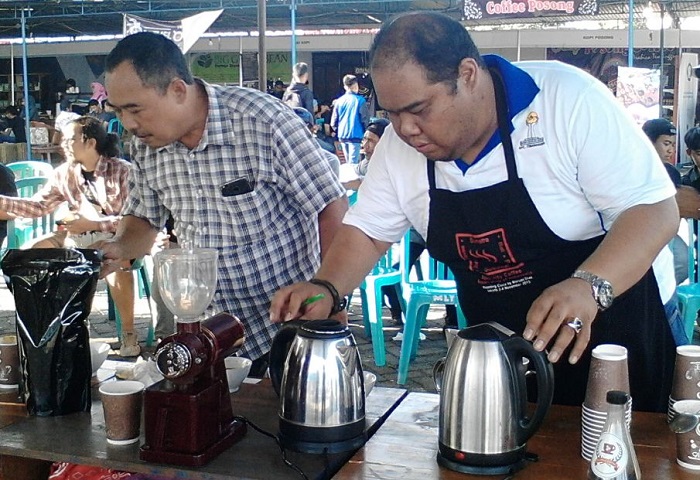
338	302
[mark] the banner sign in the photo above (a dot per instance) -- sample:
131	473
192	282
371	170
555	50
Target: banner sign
171	30
224	67
485	9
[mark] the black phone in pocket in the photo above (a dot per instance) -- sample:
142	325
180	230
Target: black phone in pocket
235	187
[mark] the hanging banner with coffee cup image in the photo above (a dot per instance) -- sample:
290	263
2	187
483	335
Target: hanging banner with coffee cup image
485	9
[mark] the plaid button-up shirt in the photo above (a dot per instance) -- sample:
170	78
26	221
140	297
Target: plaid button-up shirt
68	185
267	238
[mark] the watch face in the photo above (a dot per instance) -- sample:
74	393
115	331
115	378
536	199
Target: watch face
604	294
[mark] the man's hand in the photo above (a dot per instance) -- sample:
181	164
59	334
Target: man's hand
288	303
113	256
553	309
77	224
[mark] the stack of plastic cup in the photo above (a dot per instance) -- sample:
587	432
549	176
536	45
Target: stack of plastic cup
608	371
686	377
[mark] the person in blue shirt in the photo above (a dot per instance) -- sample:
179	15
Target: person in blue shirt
349	119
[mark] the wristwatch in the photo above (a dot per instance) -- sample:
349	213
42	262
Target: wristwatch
601	288
339	303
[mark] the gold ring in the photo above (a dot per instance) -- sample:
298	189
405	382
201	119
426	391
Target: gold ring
576	324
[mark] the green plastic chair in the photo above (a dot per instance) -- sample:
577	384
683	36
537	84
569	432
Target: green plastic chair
437	287
689	295
383	274
22	230
30	168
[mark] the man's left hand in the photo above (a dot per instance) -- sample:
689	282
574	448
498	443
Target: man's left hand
79	224
553	309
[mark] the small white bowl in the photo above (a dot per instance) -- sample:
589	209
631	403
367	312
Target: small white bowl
237	369
98	354
370	380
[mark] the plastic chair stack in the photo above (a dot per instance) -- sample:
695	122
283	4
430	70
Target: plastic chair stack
30	168
22	230
383	274
437	287
689	294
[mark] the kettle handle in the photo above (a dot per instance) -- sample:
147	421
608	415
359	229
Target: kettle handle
517	347
279	350
438	372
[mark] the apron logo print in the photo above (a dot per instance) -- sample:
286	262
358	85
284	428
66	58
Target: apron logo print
532	140
487	253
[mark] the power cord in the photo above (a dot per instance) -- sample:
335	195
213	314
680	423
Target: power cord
277	441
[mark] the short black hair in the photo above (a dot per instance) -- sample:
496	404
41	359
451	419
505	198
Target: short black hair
432	40
692	138
93	101
378	126
157	60
11	109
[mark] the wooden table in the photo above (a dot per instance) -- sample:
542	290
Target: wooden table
80	438
46	152
406	447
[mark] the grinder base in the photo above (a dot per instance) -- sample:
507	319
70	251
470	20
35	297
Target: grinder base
235	432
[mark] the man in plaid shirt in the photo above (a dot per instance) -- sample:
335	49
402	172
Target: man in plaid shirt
237	170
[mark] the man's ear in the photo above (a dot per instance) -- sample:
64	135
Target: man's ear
468	70
178	88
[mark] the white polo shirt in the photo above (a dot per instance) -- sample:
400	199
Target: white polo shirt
584	162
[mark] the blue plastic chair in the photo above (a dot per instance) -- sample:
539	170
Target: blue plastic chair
22	230
689	294
30	168
437	287
383	274
115	126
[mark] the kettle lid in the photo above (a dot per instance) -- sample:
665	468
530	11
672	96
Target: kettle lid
487	332
324	329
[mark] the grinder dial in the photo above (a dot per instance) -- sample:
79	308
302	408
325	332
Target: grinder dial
173	360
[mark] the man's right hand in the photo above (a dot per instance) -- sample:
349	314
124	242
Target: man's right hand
287	304
113	256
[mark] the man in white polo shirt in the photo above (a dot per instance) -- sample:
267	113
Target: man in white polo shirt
533	185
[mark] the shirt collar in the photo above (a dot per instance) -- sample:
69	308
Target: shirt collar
219	126
520	92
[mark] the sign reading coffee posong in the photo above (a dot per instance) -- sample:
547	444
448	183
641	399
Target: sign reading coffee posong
484	9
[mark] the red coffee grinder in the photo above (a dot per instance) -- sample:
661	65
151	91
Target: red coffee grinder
188	415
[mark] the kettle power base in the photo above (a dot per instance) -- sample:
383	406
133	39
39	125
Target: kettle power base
481	469
323	447
234	433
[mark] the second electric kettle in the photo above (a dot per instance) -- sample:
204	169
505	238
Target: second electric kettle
483	423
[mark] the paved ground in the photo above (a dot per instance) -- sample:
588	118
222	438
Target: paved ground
420	374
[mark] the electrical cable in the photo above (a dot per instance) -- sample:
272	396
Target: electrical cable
279	444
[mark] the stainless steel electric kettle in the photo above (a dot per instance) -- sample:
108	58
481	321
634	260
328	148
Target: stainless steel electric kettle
316	370
483	423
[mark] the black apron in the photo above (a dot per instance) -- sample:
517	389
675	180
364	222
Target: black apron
503	255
